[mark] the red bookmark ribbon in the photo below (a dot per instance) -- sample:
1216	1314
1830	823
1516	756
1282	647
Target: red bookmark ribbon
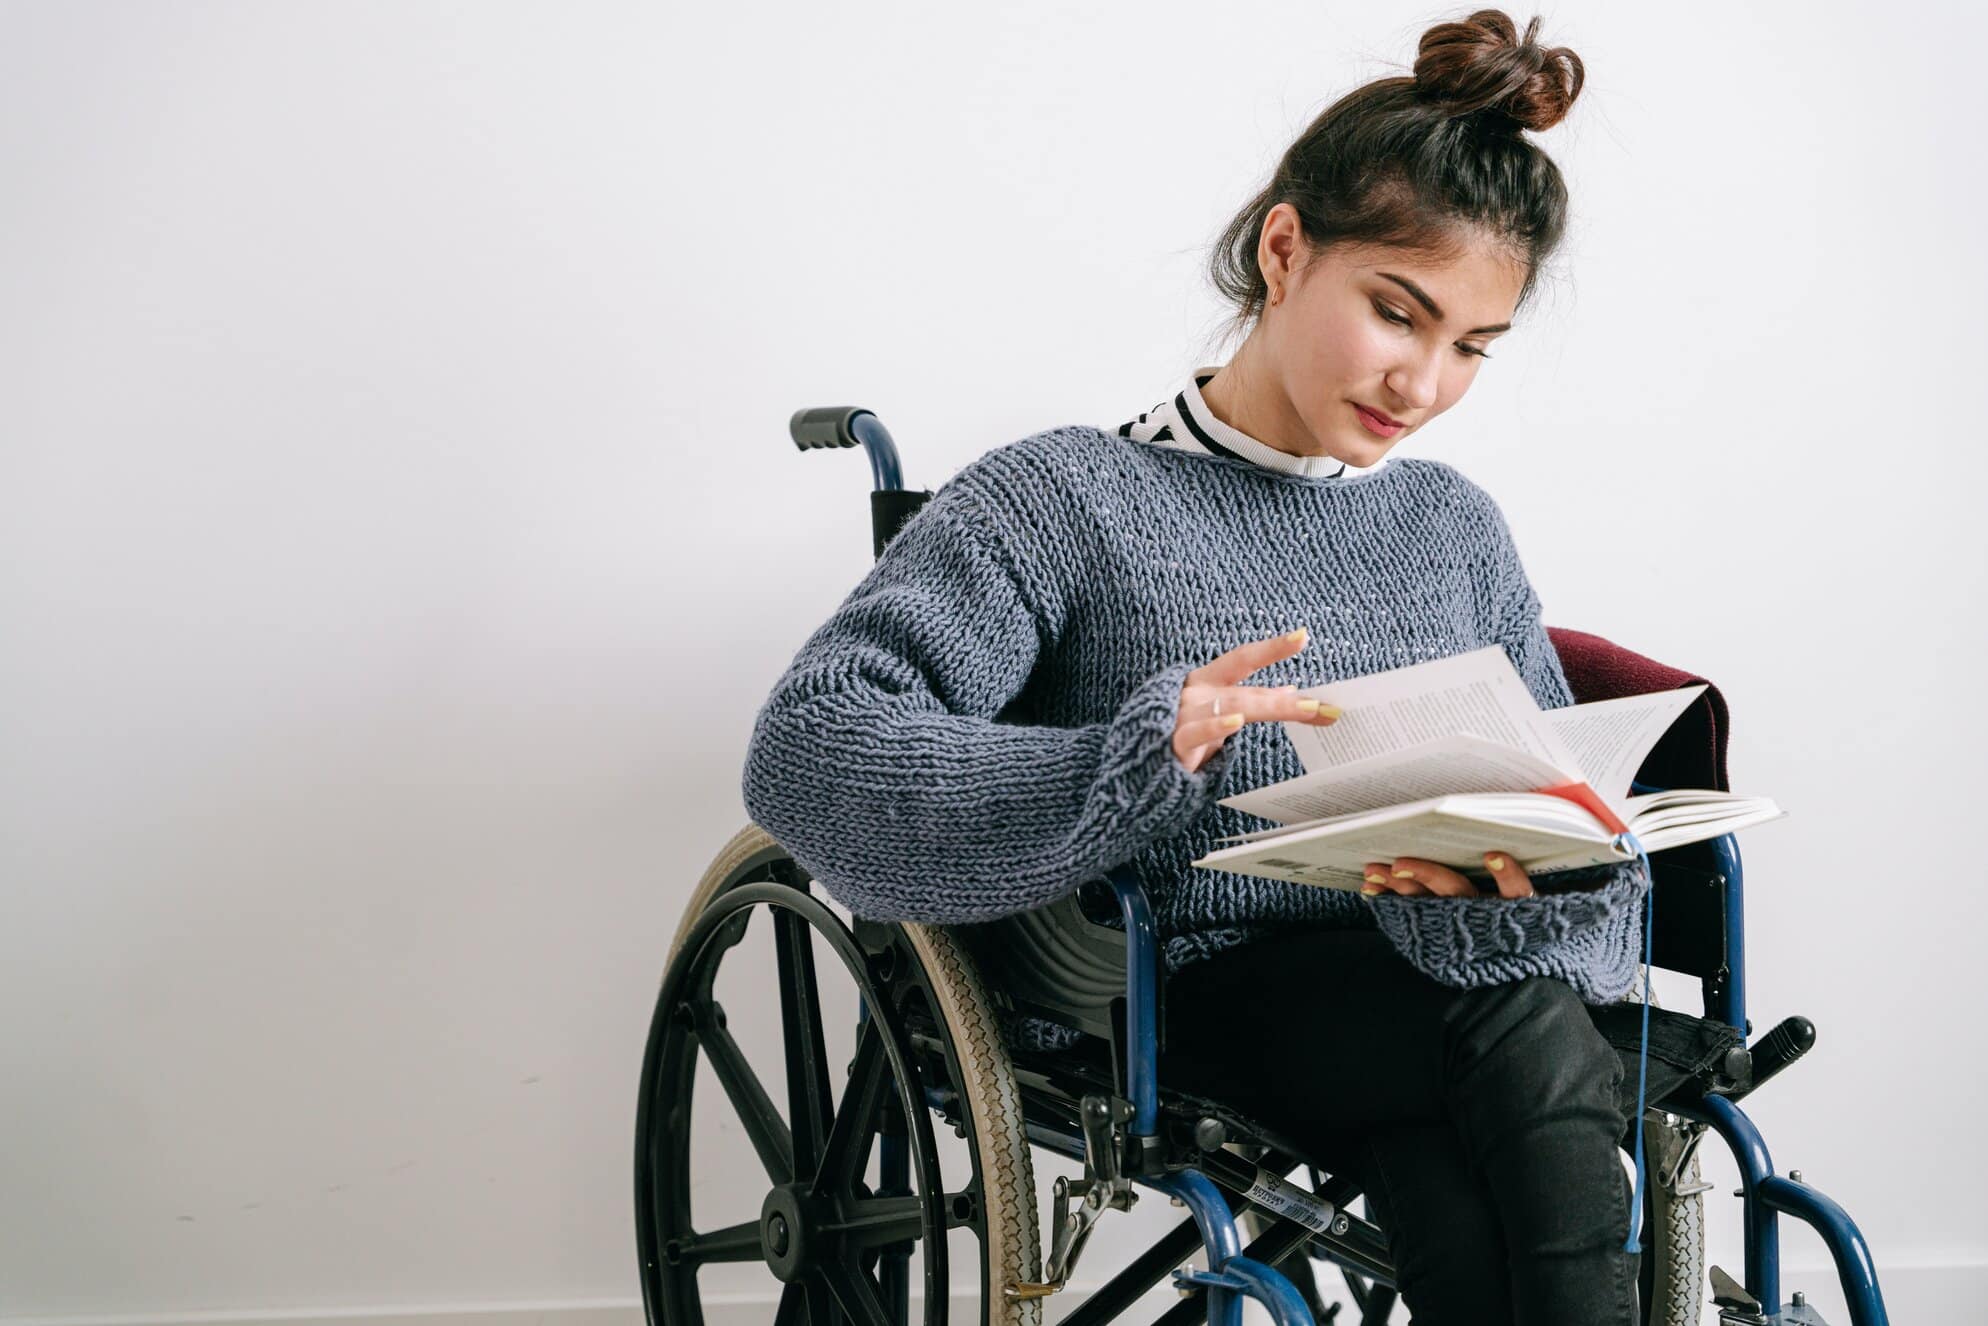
1588	799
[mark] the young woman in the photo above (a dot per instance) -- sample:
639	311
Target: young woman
1085	638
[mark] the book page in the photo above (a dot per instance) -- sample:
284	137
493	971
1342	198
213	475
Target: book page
1460	763
1332	856
1755	810
1611	738
1479	693
1525	808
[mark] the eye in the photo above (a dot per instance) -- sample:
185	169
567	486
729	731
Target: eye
1390	314
1469	352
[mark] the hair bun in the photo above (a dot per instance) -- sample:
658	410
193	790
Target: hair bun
1482	64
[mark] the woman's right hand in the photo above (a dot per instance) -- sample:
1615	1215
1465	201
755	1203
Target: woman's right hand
1214	703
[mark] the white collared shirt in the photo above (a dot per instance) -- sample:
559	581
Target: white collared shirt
1185	423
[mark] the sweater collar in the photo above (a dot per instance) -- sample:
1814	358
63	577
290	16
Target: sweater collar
1185	423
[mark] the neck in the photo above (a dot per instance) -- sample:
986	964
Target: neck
1247	398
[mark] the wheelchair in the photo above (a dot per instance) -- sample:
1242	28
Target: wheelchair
858	1194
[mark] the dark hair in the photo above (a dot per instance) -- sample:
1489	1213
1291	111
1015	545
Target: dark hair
1414	161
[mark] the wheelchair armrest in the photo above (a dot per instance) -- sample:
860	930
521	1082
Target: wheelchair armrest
1056	962
1142	1001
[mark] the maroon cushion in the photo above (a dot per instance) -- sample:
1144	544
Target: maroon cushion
1693	752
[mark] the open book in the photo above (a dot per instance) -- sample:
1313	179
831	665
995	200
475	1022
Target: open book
1451	759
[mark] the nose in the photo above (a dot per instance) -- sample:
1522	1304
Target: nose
1414	382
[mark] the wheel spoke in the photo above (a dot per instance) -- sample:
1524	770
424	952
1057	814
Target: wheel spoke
734	1243
808	1094
821	1302
793	1307
878	1220
846	1154
757	1112
856	1292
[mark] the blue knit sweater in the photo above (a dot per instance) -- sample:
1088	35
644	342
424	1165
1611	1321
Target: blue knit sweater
986	720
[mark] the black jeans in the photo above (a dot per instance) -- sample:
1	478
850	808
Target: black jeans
1484	1125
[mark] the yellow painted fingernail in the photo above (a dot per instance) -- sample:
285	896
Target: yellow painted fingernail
1232	720
1404	874
1308	706
1495	862
1296	635
1370	890
1377	879
1329	710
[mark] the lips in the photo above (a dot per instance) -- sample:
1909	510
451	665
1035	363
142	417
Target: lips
1391	423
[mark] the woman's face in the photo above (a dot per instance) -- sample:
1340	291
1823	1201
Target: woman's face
1397	334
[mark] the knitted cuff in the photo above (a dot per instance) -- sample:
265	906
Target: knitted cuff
1142	786
1591	940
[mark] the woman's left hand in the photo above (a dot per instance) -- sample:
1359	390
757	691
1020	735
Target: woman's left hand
1412	875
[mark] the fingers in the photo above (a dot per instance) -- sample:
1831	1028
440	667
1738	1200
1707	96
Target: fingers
1213	705
1200	736
1256	704
1217	711
1433	876
1512	881
1380	878
1197	738
1230	668
1413	877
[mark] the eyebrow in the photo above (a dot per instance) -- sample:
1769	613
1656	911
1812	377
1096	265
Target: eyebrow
1422	298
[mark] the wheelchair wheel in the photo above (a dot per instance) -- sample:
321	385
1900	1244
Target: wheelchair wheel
856	1186
1671	1275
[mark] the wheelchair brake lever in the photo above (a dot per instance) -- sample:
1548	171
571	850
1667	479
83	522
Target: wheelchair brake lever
1735	1302
1104	1185
1694	1133
1103	1154
1073	1230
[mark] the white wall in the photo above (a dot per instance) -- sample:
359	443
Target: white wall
398	532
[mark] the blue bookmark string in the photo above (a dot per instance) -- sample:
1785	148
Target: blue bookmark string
1634	1244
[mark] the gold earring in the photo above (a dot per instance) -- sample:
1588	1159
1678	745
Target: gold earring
1277	294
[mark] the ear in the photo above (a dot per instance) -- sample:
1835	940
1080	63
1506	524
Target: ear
1281	245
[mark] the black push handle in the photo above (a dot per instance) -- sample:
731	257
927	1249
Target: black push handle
825	426
1781	1047
891	504
848	426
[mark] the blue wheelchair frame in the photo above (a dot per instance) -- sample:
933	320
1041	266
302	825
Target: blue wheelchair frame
1766	1194
1231	1276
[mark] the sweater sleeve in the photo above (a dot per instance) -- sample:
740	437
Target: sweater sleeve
879	760
1590	937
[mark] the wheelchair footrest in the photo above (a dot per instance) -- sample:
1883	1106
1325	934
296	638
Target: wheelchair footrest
1738	1307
